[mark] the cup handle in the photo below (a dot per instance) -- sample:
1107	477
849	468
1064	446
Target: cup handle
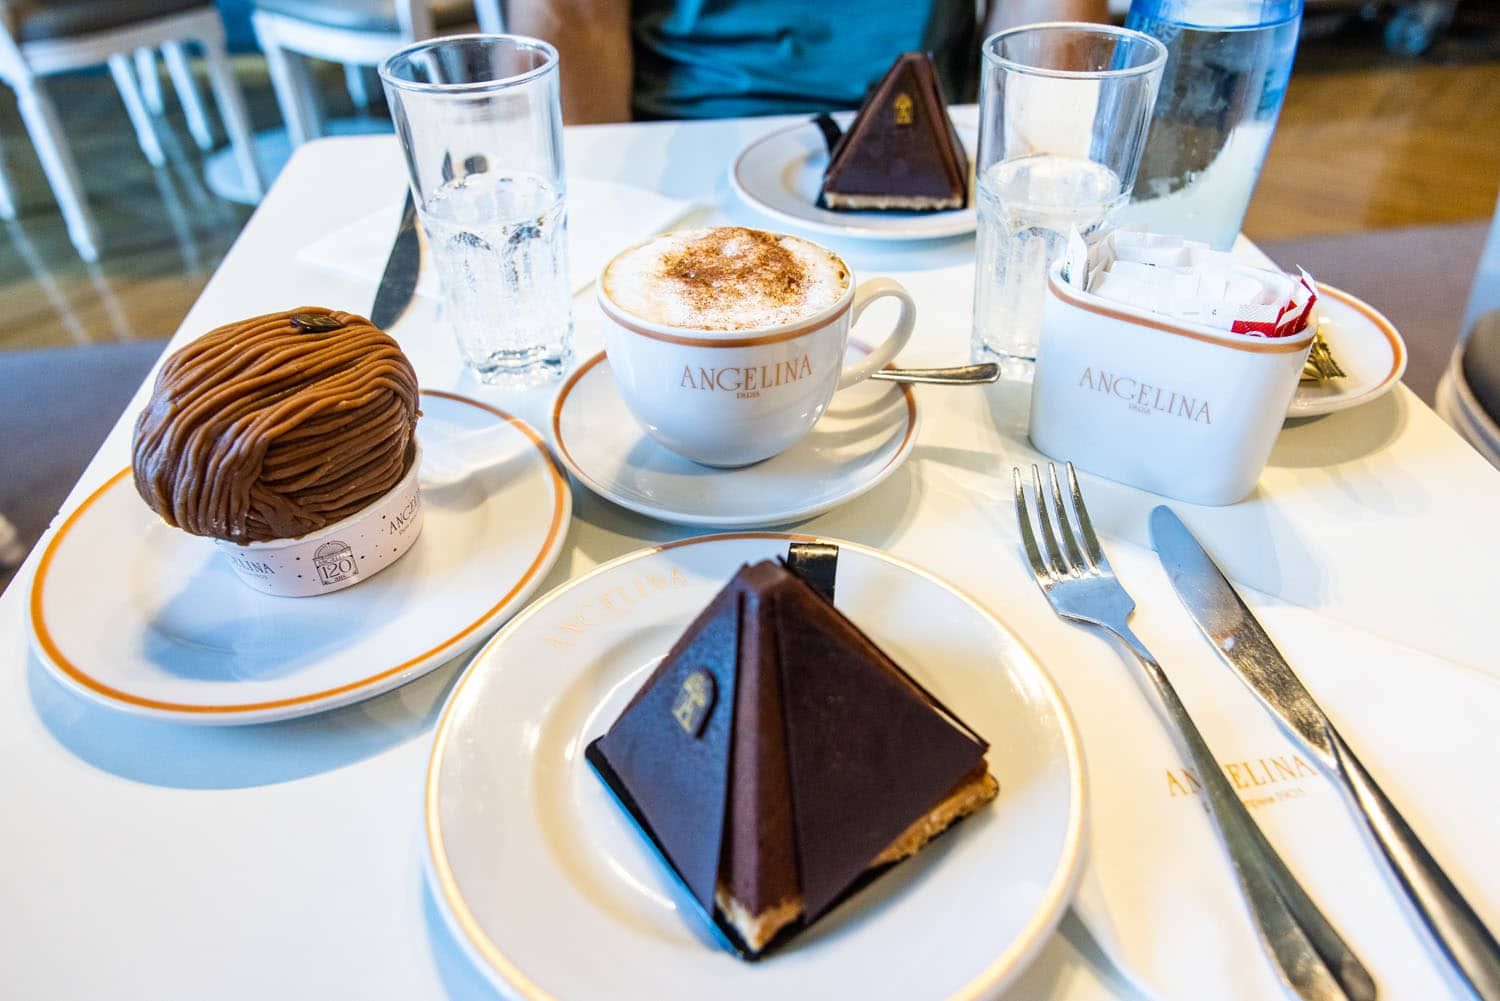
882	356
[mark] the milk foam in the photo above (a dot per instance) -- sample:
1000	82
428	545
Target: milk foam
725	278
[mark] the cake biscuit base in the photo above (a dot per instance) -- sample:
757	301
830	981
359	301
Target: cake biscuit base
758	930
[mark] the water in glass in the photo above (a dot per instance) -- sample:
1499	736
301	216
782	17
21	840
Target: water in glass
1228	63
500	244
1027	207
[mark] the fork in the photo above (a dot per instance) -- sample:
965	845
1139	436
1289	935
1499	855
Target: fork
1078	581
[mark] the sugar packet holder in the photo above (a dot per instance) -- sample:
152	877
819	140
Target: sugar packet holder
1180	408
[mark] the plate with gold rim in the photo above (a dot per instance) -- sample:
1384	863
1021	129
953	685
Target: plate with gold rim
1364	343
130	612
863	437
531	860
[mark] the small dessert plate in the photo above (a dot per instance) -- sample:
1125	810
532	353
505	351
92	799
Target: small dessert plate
864	436
534	864
140	616
781	173
1366	346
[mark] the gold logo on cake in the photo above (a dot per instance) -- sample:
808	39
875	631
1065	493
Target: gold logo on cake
1145	398
903	108
745	382
694	701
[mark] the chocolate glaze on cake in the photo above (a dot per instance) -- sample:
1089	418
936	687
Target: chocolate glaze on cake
811	760
902	151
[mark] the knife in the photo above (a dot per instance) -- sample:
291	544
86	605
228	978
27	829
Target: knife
1234	632
399	281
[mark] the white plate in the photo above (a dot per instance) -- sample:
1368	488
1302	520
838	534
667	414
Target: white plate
781	174
1366	346
555	894
863	437
143	617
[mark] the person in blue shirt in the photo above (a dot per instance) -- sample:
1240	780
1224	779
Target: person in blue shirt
644	59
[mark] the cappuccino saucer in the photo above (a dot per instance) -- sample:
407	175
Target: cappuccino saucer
865	435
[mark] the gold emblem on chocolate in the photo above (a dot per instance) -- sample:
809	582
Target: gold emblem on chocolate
316	323
694	701
903	108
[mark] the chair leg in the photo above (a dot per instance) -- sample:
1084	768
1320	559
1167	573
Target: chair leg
40	118
7	197
289	80
355	82
232	109
187	95
135	106
145	68
490	17
307	88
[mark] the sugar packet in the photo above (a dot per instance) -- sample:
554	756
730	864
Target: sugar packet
1190	281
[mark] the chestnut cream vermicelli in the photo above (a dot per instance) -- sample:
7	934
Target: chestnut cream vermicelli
276	426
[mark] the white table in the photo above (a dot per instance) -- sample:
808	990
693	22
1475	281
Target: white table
151	860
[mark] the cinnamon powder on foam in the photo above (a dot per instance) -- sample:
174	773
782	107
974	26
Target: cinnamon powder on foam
728	278
730	265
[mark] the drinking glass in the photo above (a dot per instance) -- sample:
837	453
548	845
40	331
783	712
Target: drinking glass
480	121
1063	110
1228	63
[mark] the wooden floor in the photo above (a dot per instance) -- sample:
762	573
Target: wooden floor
1367	141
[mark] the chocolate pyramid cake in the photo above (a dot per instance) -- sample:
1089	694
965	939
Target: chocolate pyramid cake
779	760
902	151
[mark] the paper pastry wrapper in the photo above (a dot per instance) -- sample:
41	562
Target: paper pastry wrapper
1191	282
1158	894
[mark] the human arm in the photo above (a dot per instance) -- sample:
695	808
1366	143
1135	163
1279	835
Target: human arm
593	44
1004	14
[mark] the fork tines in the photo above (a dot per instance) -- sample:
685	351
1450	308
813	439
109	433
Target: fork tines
1078	562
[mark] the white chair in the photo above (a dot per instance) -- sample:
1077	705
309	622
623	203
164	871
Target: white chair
180	71
356	33
39	38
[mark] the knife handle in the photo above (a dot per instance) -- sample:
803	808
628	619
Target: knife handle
1455	927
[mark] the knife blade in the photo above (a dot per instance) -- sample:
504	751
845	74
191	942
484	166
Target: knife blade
1227	623
399	280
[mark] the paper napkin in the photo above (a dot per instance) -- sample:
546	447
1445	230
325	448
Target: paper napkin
603	217
1157	891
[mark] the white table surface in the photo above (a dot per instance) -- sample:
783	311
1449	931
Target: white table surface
152	860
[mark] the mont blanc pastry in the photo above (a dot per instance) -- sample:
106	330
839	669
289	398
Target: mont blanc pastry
281	427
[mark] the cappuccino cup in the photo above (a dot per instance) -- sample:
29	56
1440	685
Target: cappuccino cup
727	343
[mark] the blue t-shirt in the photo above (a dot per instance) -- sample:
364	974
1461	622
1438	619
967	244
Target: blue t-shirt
724	58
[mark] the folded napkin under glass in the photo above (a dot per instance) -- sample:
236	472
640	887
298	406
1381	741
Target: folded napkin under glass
603	216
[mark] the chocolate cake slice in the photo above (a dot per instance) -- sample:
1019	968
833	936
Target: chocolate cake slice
779	760
902	151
